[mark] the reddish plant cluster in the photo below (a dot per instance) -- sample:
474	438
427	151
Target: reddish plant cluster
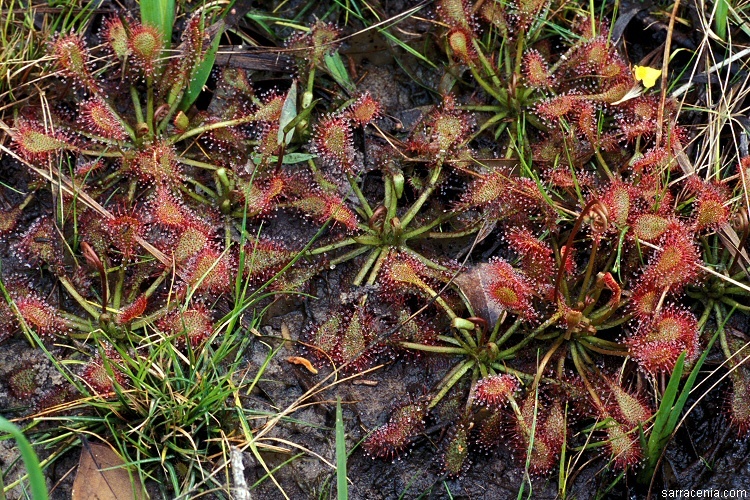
405	424
103	374
344	338
604	281
600	243
624	414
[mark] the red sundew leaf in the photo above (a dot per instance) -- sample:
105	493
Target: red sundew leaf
326	335
34	143
454	13
449	129
624	447
323	207
418	330
364	110
195	237
654	159
529	8
460	41
260	196
354	342
644	299
537	258
268	141
677	264
536	69
628	409
124	231
210	271
87	168
588	122
404	425
333	143
493	391
97	378
8	321
72	56
509	289
491	188
270	109
99	118
660	340
548	439
264	258
102	372
617	69
9	219
554	427
237	79
490	432
495	13
559	106
41	243
711	208
593	55
145	43
24	381
738	402
116	36
165	209
194	324
401	273
133	310
651	227
617	197
456	451
611	94
158	163
317	43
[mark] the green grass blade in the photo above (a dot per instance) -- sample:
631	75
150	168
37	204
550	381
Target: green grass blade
336	67
159	13
34	470
288	113
680	404
670	410
201	73
720	21
342	488
659	433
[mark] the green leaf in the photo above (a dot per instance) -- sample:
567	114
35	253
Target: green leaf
670	410
659	433
720	20
36	478
288	113
289	158
342	487
680	404
159	13
304	115
335	66
201	72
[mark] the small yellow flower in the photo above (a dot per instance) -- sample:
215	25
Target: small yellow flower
646	75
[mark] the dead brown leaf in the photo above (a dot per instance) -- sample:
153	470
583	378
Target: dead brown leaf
297	360
473	284
102	476
733	243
